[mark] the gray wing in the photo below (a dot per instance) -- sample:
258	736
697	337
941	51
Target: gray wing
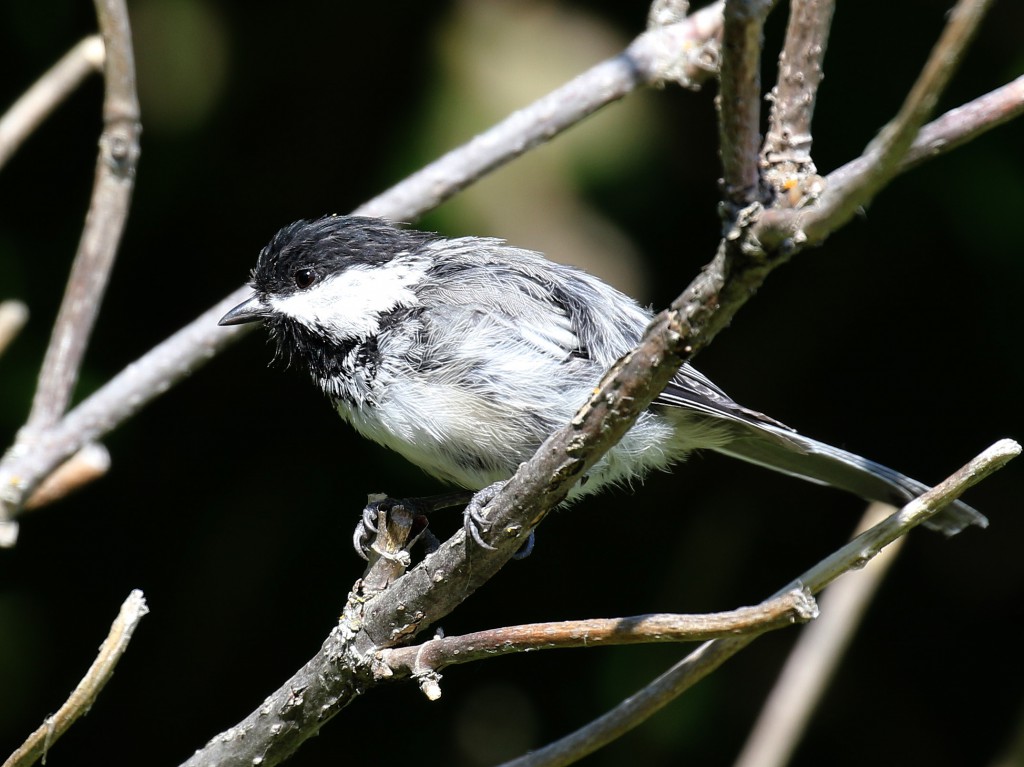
693	390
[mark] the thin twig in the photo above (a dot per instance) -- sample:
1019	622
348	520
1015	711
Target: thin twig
13	316
104	223
25	114
709	656
87	465
953	129
425	660
739	100
787	145
655	55
85	694
815	656
885	154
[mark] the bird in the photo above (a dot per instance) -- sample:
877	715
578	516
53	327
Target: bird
463	354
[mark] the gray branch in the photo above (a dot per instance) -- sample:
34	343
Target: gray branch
132	611
739	100
104	223
424	662
787	145
47	93
709	656
844	196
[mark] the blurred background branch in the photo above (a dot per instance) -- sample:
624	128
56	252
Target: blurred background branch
25	115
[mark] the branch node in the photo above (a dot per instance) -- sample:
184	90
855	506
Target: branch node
678	48
805	606
429	681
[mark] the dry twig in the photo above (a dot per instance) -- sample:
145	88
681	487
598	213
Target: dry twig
792	229
787	145
854	555
739	101
47	93
84	695
425	661
104	223
815	656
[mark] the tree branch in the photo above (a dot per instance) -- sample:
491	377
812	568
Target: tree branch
51	89
787	145
739	100
424	661
709	656
84	695
815	655
844	196
953	129
87	465
658	54
104	223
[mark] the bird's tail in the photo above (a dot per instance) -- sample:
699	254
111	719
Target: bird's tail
790	453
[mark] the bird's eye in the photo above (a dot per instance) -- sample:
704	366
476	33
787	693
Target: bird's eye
304	278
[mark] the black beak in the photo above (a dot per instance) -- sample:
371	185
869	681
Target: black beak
251	309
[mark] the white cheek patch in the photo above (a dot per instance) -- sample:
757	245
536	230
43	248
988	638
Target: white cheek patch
349	304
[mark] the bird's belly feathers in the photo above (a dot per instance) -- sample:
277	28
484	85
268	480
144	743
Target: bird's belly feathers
471	440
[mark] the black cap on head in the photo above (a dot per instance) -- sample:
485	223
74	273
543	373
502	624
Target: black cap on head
327	245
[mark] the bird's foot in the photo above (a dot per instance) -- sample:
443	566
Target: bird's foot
475	523
367	528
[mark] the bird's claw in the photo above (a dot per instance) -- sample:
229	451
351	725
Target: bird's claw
473	519
475	523
367	527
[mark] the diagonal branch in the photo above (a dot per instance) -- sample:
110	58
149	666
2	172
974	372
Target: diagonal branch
654	55
640	706
104	223
953	129
47	92
424	661
82	698
885	154
815	656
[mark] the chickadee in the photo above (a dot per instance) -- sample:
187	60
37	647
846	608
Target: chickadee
464	354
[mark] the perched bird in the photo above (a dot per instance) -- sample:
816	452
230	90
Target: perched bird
464	354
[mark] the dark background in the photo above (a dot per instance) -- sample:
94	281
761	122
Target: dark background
232	498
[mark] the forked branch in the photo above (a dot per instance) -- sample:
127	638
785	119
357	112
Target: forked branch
104	223
709	656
